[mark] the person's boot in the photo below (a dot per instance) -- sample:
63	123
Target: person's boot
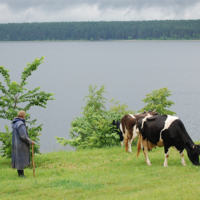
21	173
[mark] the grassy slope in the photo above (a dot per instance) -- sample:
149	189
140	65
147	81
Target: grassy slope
108	173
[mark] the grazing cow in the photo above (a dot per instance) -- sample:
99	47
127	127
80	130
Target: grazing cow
167	131
130	132
119	131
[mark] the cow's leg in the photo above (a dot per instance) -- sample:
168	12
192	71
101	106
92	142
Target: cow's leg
122	143
124	133
145	149
126	139
178	148
130	139
182	158
126	143
129	145
121	135
166	156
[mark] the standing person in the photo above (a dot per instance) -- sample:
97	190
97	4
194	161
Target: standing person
20	144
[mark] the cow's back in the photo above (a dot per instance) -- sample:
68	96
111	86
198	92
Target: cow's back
151	127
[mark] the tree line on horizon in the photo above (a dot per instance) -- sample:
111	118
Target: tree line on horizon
114	30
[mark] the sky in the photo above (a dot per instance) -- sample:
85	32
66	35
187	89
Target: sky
19	11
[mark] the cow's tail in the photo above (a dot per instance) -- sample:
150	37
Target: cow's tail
139	145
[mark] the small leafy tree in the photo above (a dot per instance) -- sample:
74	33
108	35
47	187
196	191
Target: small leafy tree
117	110
14	96
158	100
94	128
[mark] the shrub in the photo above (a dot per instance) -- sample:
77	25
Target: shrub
94	128
157	100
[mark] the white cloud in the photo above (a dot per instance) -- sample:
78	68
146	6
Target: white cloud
97	12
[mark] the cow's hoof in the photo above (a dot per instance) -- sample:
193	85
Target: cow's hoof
148	163
165	165
184	164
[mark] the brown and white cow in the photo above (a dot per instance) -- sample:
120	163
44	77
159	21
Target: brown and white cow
167	131
130	132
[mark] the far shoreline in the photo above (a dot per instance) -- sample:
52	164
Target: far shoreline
98	40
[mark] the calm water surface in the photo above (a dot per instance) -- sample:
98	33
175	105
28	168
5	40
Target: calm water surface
129	70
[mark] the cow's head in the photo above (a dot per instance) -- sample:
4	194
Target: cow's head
114	123
193	154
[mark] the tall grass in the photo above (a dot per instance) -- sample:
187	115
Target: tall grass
109	173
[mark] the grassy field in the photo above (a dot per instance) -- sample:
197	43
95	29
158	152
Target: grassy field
109	173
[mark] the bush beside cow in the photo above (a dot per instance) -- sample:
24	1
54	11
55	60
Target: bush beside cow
167	131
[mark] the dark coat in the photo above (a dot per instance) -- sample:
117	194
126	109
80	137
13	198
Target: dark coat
20	144
118	127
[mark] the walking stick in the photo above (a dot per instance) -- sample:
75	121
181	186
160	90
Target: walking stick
33	161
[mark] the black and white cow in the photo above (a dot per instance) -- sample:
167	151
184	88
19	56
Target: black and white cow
167	131
119	131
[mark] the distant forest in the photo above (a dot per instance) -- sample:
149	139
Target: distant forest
115	30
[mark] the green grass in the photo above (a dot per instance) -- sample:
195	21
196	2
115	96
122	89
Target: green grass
109	173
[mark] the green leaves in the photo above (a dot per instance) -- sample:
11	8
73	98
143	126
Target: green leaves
5	74
29	69
94	128
16	94
117	110
95	99
158	100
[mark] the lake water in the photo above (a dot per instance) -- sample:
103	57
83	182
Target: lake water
128	69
